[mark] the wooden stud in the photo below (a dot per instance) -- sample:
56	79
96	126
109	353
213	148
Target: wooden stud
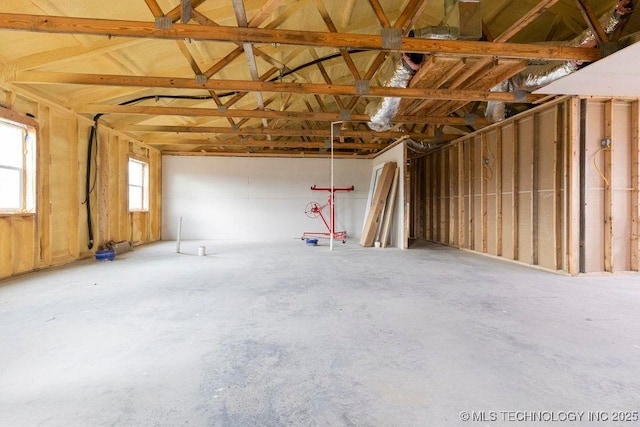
472	196
462	212
573	188
535	214
443	210
452	177
498	168
635	186
607	170
515	191
484	183
408	173
559	174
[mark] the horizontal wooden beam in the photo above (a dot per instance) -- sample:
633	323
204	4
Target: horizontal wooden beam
122	28
250	143
43	77
259	114
269	153
280	132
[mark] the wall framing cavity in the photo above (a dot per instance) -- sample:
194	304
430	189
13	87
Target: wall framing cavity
57	232
513	190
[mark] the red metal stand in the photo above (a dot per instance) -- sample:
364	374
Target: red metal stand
314	210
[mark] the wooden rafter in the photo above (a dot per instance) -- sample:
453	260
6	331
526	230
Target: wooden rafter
107	27
529	17
382	17
592	21
241	18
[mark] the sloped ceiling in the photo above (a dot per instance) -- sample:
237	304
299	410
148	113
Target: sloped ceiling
278	72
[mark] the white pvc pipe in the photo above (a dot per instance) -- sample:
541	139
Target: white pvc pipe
179	232
333	200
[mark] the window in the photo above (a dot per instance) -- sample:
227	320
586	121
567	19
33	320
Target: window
17	168
138	185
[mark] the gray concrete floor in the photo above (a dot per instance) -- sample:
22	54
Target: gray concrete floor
289	335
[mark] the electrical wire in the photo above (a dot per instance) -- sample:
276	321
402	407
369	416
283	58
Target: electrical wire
593	160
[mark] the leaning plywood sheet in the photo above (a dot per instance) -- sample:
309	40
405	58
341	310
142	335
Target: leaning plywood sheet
389	208
377	205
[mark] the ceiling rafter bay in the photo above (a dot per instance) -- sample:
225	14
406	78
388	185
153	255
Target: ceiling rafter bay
266	77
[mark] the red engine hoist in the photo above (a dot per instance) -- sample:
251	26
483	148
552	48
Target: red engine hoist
314	210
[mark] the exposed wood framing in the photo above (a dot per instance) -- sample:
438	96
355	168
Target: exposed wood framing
38	77
515	193
635	186
535	205
113	28
592	21
608	188
484	183
289	115
573	189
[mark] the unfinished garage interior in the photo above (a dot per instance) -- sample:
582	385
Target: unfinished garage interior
313	212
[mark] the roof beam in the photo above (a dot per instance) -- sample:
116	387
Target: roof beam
236	143
322	133
121	28
288	115
37	77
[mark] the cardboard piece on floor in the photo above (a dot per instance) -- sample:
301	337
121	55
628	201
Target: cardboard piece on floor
377	204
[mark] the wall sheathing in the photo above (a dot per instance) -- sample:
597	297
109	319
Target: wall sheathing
57	232
513	190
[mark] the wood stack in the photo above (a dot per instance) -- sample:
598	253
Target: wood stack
380	195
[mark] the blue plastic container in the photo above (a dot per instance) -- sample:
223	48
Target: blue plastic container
312	242
105	255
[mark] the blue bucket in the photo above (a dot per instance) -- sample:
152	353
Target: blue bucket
105	255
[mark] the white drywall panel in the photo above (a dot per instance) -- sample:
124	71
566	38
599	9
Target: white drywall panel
257	199
396	154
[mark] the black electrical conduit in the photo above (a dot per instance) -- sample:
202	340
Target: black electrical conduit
93	134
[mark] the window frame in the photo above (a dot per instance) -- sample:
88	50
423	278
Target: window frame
145	183
28	170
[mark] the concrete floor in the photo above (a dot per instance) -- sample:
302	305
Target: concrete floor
290	335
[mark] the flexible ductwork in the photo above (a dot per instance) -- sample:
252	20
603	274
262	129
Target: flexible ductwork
537	76
383	110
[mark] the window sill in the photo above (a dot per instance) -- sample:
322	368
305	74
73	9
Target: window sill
10	214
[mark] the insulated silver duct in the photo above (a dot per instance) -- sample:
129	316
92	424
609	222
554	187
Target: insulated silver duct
536	76
383	110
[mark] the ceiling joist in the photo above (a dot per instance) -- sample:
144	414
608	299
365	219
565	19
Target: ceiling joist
257	114
121	28
38	77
